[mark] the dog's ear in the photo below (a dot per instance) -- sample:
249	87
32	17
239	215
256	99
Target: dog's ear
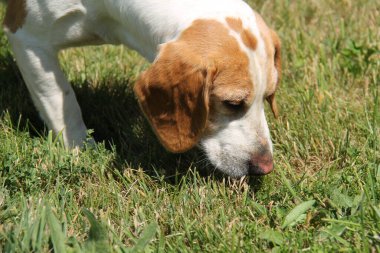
277	53
173	94
273	105
277	64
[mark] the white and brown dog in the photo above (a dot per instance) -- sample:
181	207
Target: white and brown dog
215	62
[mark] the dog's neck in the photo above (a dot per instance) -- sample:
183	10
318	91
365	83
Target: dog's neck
144	25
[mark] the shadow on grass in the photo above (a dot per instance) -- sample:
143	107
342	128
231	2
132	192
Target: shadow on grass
15	99
112	111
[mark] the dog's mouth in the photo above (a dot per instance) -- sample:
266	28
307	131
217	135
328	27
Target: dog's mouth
228	166
236	164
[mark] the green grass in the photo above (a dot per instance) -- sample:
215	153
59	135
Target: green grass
129	195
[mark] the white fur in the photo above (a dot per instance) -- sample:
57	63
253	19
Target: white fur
143	25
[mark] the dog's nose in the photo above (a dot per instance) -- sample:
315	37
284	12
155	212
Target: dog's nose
260	164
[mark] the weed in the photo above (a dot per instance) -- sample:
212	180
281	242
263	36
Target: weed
127	194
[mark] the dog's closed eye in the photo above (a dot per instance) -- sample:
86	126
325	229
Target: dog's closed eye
234	105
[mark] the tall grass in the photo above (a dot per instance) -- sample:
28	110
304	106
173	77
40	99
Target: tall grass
129	195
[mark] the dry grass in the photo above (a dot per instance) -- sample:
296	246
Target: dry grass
323	195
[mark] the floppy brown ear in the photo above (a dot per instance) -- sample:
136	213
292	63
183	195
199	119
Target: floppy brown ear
173	95
277	53
273	105
277	64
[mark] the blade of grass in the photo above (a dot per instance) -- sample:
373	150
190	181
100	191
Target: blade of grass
56	234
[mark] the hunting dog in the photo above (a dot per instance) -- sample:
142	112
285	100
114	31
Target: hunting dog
214	63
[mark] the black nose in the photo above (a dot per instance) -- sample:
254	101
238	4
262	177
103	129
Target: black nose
260	164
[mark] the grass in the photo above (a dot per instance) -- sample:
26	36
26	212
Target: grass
129	195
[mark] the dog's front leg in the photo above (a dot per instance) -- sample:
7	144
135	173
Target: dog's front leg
51	93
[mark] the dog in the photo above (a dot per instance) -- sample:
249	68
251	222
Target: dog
214	63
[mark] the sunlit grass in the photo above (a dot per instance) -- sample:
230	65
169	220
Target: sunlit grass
324	194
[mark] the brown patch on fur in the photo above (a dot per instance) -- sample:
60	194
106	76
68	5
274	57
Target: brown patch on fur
235	24
249	39
273	49
172	98
190	80
15	15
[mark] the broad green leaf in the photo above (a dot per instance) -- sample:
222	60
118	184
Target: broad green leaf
296	212
342	200
273	236
57	236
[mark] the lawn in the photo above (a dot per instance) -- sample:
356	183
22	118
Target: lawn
127	194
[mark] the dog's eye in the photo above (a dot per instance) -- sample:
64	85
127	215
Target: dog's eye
233	104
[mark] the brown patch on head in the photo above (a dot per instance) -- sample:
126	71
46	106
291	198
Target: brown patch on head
15	15
235	24
273	49
249	39
232	82
190	79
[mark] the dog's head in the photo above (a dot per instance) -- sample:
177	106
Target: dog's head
209	87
